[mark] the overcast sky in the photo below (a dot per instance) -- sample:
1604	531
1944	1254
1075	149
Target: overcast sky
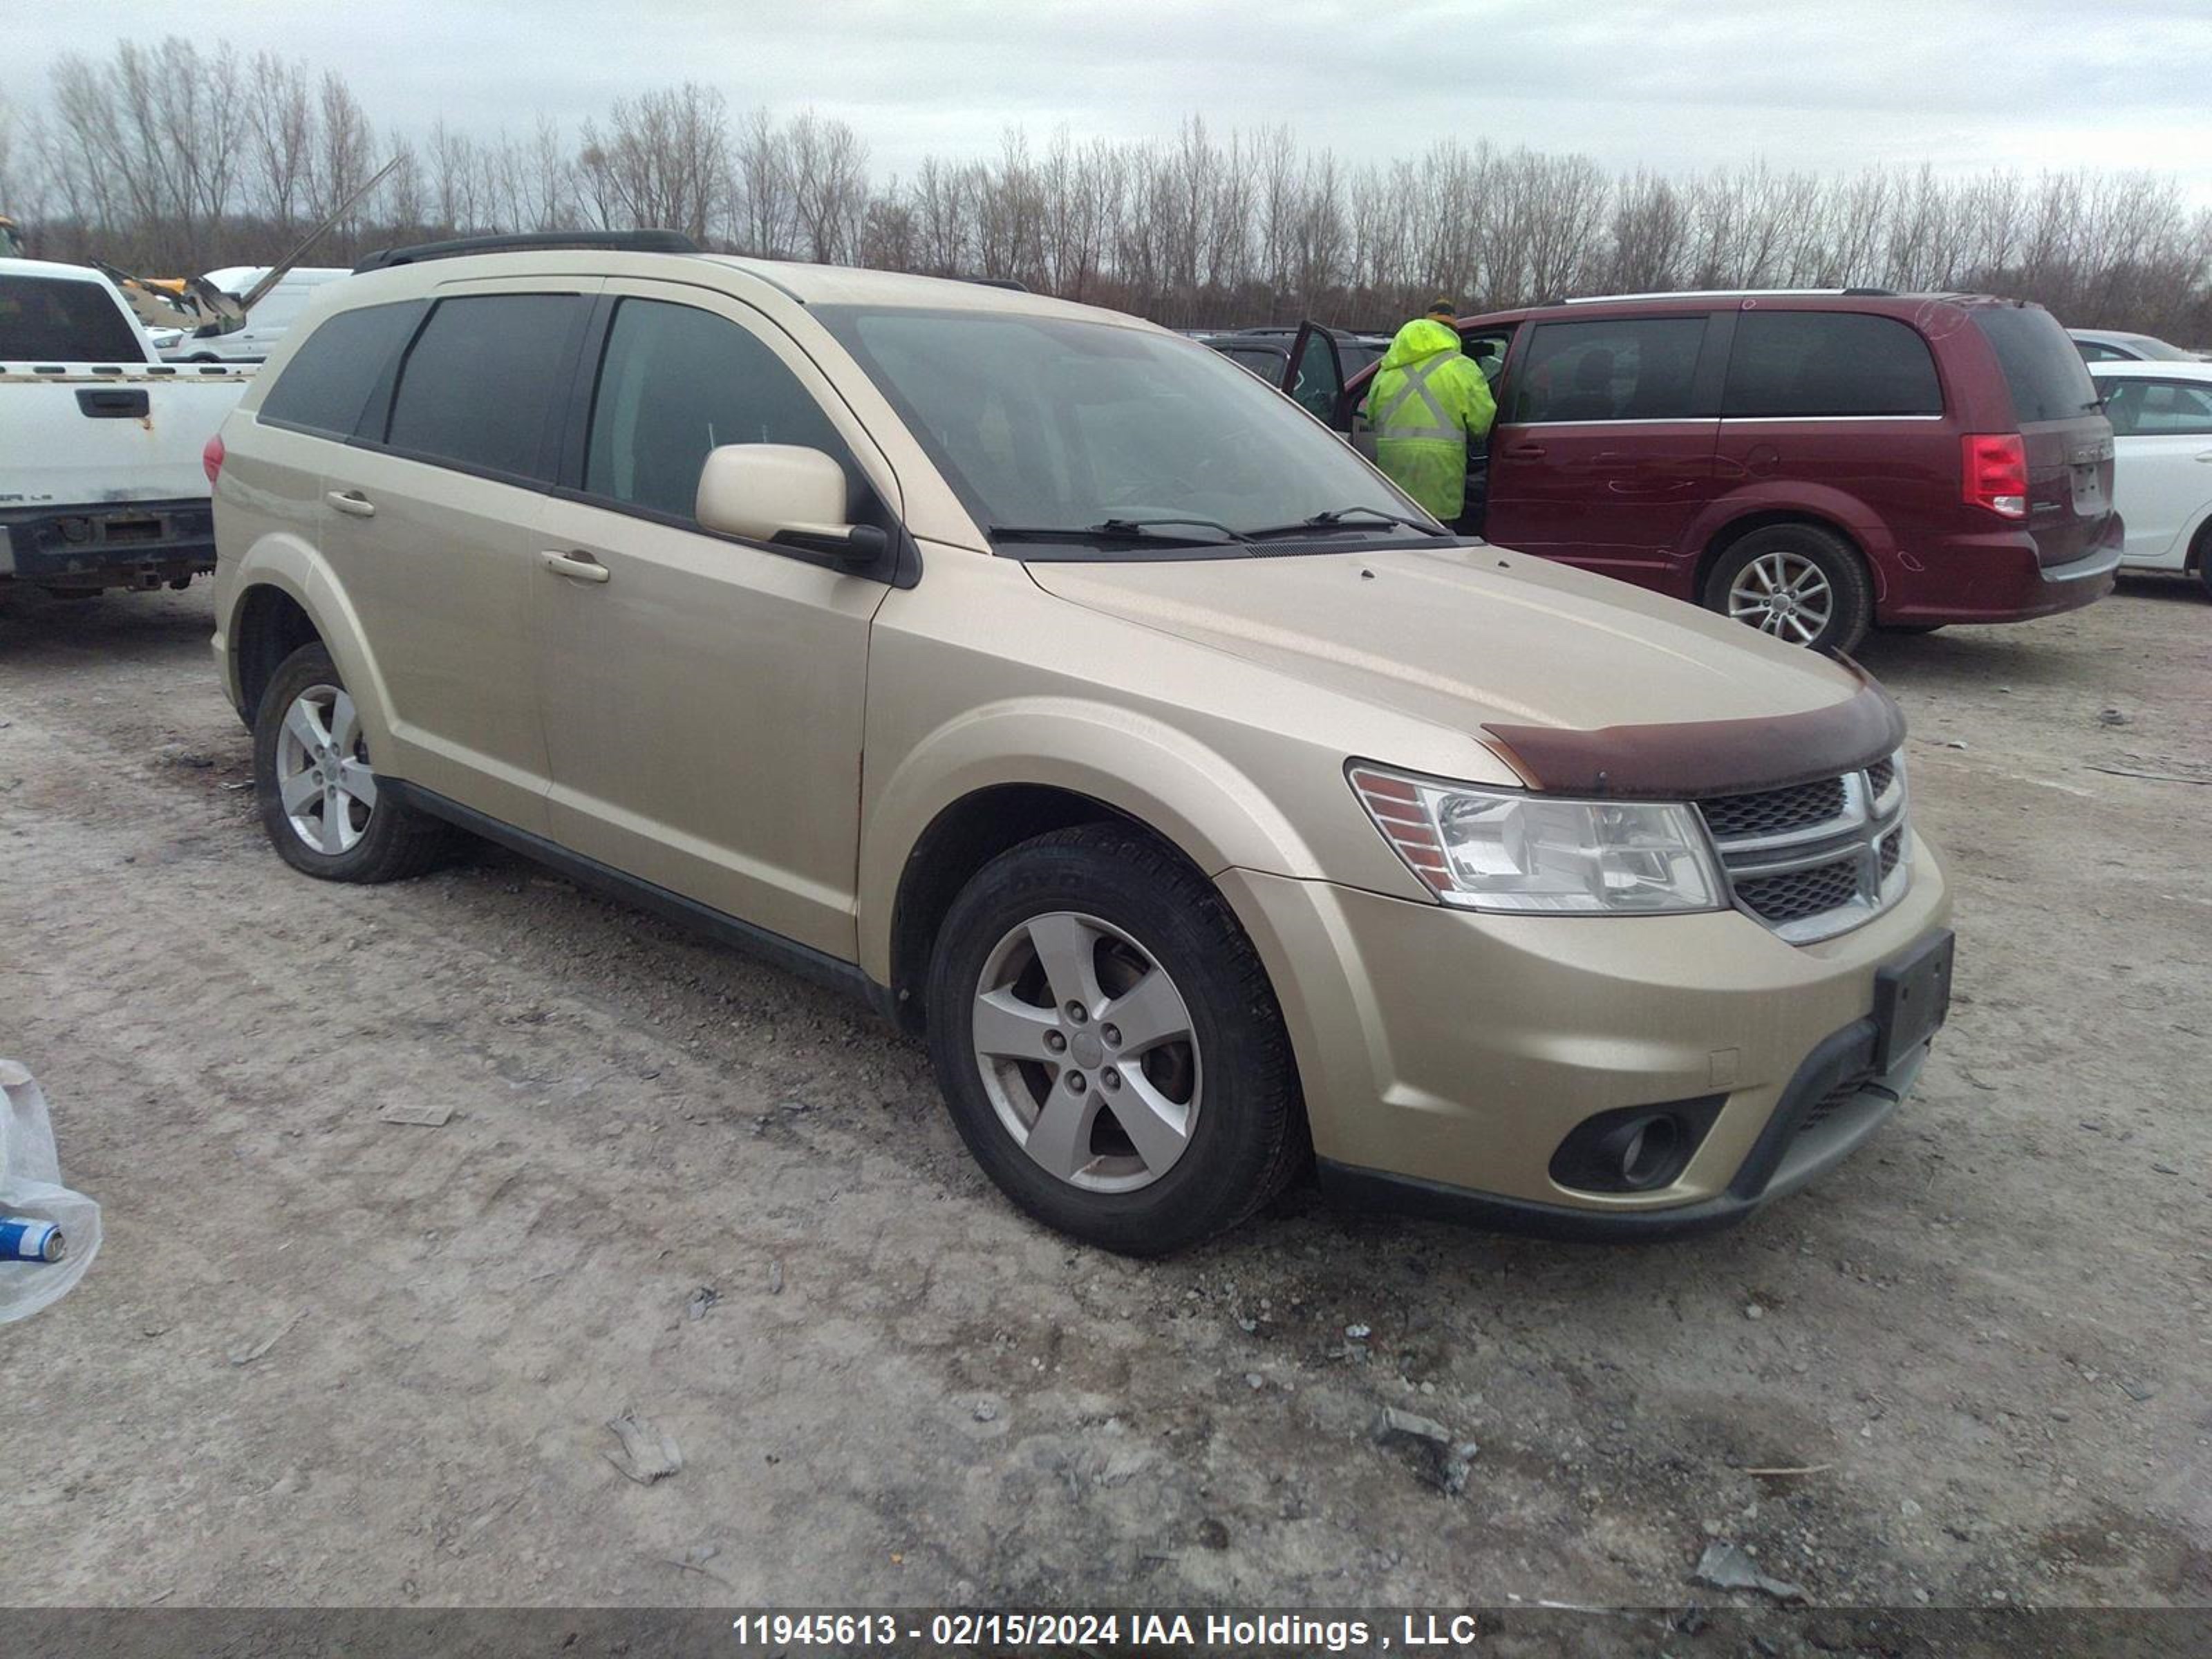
2023	83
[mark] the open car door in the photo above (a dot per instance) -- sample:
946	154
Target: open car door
1314	376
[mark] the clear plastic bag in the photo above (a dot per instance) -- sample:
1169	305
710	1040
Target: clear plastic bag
31	1187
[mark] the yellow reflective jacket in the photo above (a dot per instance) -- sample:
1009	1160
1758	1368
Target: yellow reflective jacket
1427	401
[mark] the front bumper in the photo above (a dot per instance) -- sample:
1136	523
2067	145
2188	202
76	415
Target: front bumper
1445	1055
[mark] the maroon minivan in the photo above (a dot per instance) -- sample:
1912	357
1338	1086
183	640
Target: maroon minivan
1812	463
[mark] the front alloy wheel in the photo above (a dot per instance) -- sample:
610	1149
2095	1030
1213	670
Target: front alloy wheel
1108	1043
1086	1053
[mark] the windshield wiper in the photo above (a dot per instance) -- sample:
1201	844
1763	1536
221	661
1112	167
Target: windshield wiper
1340	516
1126	530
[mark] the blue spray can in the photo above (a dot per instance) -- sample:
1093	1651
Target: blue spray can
22	1239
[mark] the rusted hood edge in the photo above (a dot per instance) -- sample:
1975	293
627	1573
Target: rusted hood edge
1687	761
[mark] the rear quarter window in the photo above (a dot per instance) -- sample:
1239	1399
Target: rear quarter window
2044	374
484	382
58	319
1799	364
327	384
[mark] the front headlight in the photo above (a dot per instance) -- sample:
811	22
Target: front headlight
1504	849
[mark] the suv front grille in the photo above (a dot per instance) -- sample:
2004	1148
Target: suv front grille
1801	893
1775	811
1817	858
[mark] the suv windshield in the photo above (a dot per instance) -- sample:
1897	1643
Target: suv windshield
1054	424
2044	374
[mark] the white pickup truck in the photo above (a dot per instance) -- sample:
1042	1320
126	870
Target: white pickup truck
102	483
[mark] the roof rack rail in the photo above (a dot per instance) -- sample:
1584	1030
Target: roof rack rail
1709	294
626	241
1013	283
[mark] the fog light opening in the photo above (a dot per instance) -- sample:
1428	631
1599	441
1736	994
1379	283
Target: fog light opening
1635	1149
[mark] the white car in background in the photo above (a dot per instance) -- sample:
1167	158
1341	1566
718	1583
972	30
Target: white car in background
2108	345
2161	416
265	323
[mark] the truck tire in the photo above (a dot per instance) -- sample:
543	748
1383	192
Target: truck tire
1108	1043
316	790
1799	583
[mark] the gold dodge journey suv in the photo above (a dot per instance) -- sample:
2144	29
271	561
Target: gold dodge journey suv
1073	698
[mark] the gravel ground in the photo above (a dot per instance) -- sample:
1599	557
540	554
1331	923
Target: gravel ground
327	1358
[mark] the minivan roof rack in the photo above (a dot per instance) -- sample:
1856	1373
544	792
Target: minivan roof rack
1714	294
626	241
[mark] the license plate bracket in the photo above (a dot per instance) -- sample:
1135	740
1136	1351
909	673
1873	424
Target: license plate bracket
1911	998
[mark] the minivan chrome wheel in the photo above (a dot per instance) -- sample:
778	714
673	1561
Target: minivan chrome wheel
1087	1052
322	772
1785	594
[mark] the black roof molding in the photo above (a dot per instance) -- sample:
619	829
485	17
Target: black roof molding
625	241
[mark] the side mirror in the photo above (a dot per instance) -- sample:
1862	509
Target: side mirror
782	493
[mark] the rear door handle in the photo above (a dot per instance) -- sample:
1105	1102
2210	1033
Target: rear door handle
576	567
2204	455
352	503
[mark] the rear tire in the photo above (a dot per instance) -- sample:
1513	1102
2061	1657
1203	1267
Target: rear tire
2203	556
316	790
1798	583
1108	1044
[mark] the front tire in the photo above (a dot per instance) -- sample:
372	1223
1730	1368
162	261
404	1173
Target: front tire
1796	582
1108	1044
316	790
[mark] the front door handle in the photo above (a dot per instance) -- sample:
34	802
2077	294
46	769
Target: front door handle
1531	451
2204	455
352	503
576	567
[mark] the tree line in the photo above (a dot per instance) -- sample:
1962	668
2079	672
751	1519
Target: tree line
172	157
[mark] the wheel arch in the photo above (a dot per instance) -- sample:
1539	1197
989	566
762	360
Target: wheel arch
283	597
1001	774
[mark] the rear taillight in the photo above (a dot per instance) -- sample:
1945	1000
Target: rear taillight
211	459
1993	473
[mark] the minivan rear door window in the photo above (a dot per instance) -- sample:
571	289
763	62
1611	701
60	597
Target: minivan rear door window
485	382
1798	365
2044	374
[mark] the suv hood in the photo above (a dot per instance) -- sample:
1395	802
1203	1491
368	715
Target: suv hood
1505	649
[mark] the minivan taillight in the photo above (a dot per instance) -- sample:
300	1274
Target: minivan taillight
211	459
1993	473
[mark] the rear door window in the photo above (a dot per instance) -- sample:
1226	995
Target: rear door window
327	385
485	381
2044	374
53	319
1799	364
2146	407
1630	369
675	382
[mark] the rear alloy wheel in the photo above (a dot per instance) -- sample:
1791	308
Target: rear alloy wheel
318	794
1796	582
1108	1044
